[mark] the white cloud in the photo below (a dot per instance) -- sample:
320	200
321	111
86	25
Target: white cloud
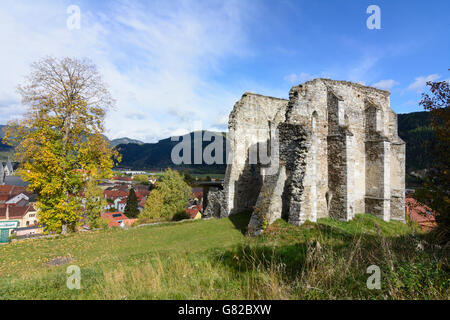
299	78
410	103
222	121
362	70
420	82
291	78
385	84
159	59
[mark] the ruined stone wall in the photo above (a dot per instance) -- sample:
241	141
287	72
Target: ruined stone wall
251	122
308	108
215	199
339	154
354	98
398	170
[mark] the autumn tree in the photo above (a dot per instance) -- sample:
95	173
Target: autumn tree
94	205
59	141
131	208
168	199
153	207
436	191
188	177
141	179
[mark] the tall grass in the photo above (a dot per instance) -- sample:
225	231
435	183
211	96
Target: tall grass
327	260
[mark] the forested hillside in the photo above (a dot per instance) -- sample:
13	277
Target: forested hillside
414	128
158	155
3	147
5	150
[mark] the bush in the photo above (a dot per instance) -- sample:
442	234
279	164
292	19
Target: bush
168	200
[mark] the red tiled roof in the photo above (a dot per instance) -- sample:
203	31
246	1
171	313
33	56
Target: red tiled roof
197	192
142	202
193	210
12	191
114	194
420	213
142	194
113	218
15	212
121	187
141	188
122	178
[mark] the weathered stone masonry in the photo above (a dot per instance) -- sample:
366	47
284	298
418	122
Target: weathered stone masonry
332	149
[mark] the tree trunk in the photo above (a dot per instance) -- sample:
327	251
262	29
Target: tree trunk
64	228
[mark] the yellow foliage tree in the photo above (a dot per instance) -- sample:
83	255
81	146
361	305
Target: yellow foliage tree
94	205
59	141
169	199
153	207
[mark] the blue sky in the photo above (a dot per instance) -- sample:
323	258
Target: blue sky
175	66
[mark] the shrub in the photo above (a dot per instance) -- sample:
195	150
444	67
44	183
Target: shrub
168	199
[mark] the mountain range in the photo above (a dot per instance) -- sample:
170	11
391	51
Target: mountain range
114	142
158	155
414	128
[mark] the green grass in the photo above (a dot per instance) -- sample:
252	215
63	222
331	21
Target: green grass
213	259
211	175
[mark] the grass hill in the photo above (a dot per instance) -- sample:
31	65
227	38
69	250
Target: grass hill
212	259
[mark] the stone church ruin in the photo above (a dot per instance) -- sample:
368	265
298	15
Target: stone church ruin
333	152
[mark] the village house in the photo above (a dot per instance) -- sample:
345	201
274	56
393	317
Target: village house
117	219
10	192
25	215
19	200
114	194
120	204
141	205
17	203
25	232
198	193
194	211
420	214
